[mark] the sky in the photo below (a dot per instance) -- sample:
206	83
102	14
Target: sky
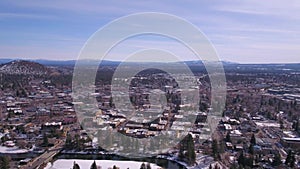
249	31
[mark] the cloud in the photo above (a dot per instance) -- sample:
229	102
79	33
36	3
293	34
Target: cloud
275	8
7	15
238	29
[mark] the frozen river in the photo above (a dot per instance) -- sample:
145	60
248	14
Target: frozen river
105	164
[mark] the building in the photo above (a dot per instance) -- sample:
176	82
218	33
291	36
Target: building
3	109
291	142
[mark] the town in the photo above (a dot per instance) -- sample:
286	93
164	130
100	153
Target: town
259	127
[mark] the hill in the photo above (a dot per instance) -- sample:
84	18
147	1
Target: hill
23	67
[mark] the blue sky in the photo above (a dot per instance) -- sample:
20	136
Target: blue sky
242	31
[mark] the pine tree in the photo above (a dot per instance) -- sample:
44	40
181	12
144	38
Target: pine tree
253	140
228	139
241	159
288	157
45	140
215	148
297	126
277	160
249	161
181	151
251	149
75	165
143	166
93	166
148	166
191	155
187	150
68	144
4	162
292	162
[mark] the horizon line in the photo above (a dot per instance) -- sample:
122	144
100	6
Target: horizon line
66	60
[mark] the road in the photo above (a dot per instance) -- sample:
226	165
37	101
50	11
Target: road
45	157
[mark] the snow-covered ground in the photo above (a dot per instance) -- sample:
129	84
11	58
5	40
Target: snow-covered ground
105	164
12	150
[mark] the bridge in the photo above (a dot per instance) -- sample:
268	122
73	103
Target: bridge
44	158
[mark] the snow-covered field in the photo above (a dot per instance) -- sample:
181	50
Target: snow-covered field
105	164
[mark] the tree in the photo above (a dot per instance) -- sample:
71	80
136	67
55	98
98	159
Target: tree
78	142
110	102
181	150
251	149
68	144
228	139
4	162
277	160
75	165
93	166
281	124
288	157
148	166
187	150
292	162
297	126
191	155
23	93
45	140
143	166
253	140
249	161
215	148
241	159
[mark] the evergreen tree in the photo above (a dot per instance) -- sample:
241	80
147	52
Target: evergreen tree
110	102
288	157
215	148
181	151
251	149
228	139
93	166
297	126
45	140
4	162
68	144
253	140
143	166
277	160
75	165
293	160
249	161
191	155
241	159
148	166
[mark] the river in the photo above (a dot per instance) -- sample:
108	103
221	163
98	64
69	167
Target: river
65	161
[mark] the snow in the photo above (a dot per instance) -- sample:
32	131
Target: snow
12	150
105	164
